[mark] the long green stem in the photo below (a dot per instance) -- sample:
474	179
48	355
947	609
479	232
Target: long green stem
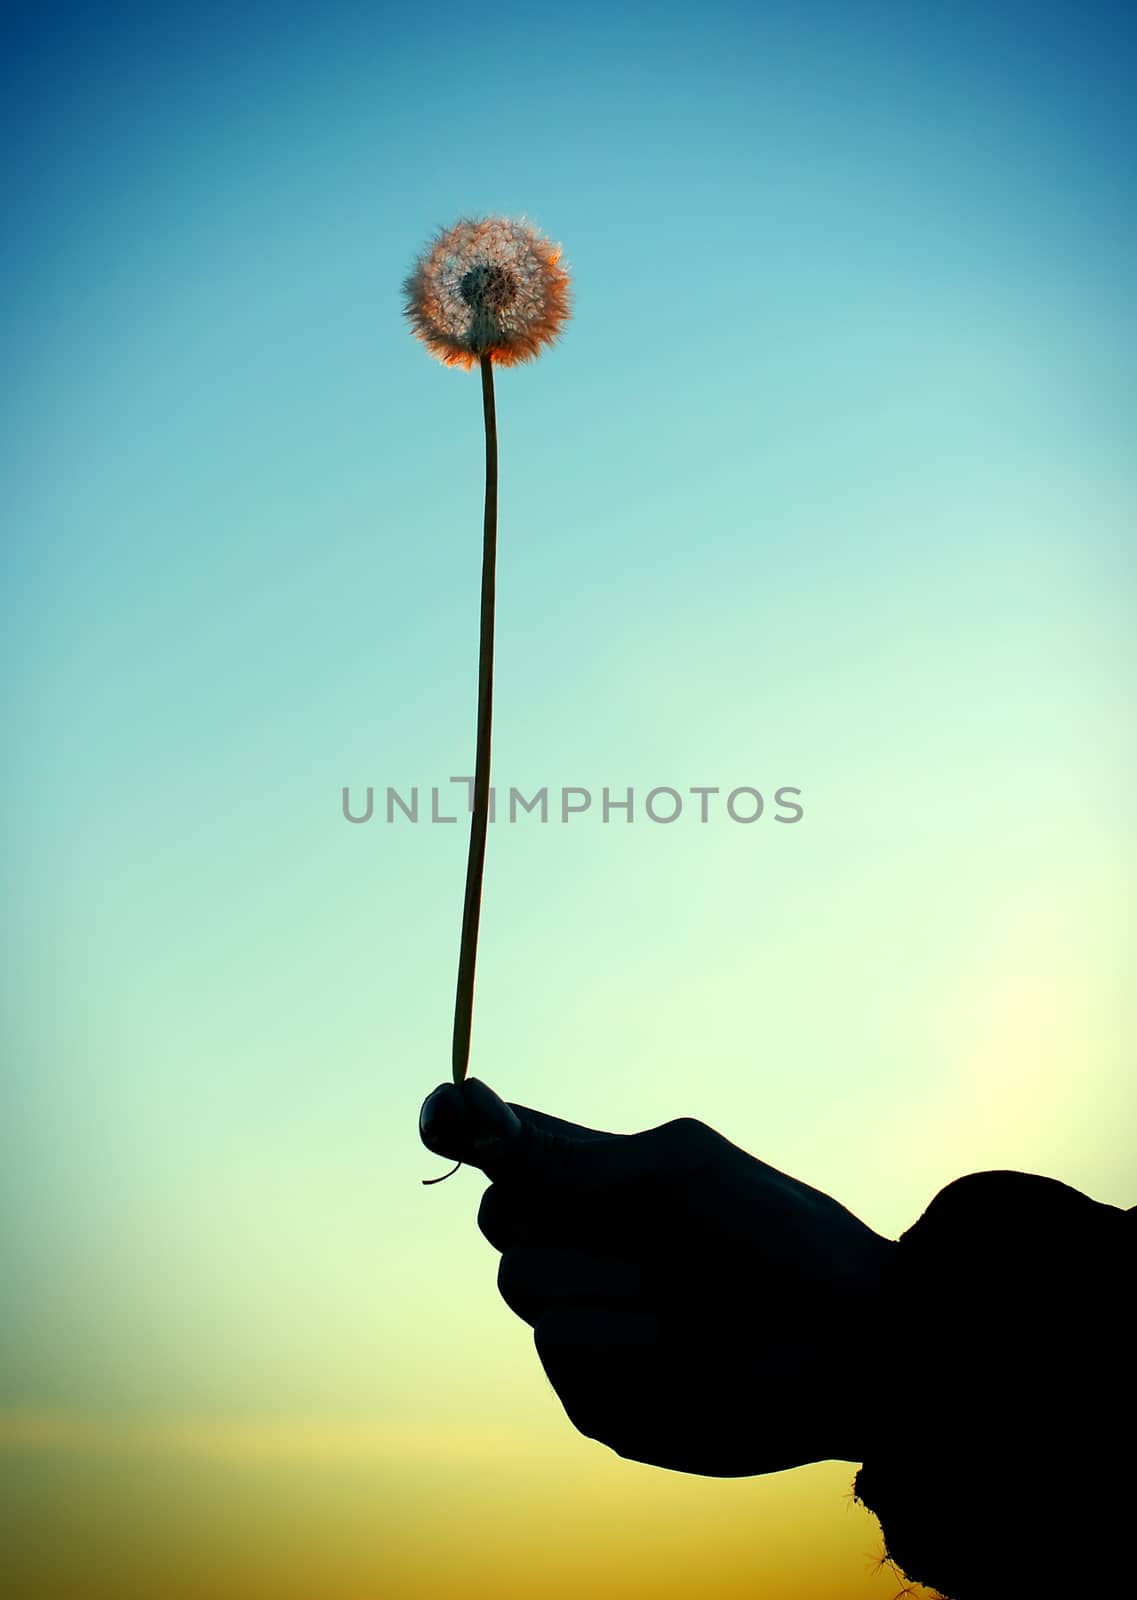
472	906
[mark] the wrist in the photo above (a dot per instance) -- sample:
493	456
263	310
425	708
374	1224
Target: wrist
861	1362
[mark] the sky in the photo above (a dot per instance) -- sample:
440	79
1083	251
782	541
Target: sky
828	486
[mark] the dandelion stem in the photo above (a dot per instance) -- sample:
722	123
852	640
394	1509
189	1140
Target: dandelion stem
472	906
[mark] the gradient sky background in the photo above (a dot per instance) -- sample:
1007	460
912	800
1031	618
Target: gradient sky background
829	484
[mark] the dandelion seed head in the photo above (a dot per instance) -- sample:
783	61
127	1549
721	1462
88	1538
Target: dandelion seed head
487	286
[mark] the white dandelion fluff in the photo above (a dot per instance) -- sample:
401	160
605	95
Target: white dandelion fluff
490	286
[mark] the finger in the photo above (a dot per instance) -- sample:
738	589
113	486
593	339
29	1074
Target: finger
608	1222
469	1122
533	1282
541	1154
466	1122
607	1369
629	1196
625	1379
576	1132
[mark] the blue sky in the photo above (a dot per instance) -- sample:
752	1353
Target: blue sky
829	483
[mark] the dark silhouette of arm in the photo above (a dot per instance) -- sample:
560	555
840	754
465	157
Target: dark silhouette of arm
1003	1457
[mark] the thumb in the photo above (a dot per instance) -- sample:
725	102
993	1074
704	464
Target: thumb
468	1122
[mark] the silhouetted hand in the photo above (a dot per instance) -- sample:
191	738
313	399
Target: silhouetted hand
692	1307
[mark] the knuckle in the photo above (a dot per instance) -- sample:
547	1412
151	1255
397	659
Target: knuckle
491	1221
689	1128
513	1277
690	1140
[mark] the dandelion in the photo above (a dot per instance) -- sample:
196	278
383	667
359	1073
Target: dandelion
484	291
490	288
